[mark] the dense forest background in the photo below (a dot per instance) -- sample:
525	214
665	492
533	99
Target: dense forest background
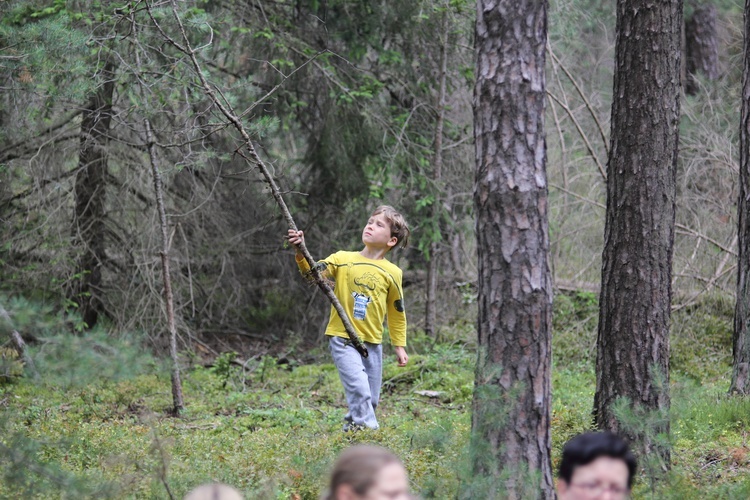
344	102
341	99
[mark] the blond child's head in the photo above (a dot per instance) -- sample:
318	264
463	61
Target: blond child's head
367	471
214	491
399	227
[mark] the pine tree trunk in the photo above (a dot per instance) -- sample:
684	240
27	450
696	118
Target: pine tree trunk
741	337
701	46
90	193
511	413
635	301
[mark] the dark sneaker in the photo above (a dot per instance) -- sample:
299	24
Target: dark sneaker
352	427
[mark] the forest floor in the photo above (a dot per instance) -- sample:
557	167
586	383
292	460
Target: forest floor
273	429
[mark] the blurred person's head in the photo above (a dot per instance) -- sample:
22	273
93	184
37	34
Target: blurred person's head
215	491
596	465
366	472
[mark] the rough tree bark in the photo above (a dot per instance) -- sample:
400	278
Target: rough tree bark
701	46
741	336
636	293
511	413
90	193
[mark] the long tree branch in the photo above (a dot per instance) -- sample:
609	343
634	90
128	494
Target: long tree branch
252	156
685	230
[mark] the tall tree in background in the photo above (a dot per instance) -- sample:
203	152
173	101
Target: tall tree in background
511	413
177	399
741	337
89	232
633	333
701	46
433	261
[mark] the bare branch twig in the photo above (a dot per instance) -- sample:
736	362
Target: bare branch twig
583	96
581	133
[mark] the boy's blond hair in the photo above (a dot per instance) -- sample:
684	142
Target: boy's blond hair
399	227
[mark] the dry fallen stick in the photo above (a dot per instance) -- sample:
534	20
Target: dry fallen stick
17	341
251	155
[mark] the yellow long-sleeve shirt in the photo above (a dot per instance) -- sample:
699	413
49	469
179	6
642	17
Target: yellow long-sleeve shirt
369	290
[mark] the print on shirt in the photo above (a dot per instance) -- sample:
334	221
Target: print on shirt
360	305
366	283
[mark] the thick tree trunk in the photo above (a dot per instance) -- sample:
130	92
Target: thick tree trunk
701	46
511	413
633	338
741	338
90	193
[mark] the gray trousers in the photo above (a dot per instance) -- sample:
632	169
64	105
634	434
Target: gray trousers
361	378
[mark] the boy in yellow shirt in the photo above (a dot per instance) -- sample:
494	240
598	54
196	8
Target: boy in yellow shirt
369	288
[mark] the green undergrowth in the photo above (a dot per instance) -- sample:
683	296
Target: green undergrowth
92	419
272	430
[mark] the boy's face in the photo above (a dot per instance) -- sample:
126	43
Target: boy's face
377	233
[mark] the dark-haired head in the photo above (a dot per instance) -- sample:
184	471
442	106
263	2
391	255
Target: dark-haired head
585	448
595	455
